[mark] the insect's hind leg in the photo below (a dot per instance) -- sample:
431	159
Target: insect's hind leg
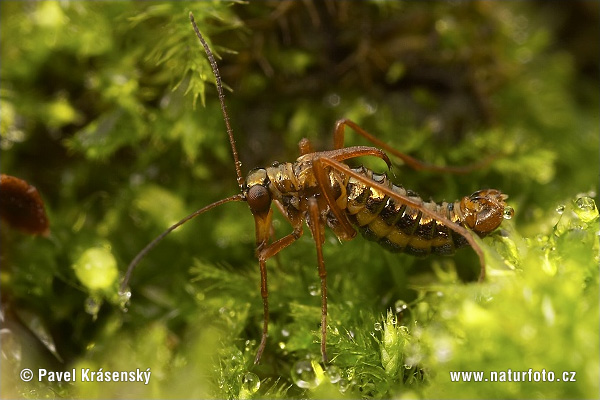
338	143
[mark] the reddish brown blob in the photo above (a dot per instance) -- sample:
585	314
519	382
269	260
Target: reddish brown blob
483	211
21	206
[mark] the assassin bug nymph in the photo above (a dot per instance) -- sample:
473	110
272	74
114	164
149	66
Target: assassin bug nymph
319	189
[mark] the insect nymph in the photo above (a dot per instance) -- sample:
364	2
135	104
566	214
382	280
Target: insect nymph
321	190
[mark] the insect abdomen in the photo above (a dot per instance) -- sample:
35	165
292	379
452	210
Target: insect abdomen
397	227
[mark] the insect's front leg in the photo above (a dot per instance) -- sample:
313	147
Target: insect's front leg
264	251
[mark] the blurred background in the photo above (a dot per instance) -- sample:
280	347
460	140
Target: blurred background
109	109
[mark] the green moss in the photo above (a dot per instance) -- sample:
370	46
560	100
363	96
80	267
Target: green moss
100	111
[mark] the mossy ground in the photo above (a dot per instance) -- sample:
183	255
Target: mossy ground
97	111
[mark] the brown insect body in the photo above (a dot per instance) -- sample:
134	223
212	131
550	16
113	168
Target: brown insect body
395	226
321	190
398	227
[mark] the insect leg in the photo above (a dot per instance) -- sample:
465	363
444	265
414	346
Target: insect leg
305	146
282	211
346	230
354	151
317	229
264	252
410	202
272	230
338	143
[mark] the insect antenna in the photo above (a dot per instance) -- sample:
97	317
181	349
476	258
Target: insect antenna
152	244
238	165
213	64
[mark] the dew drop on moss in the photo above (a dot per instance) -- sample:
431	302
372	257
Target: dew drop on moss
343	385
377	326
508	212
560	209
92	306
124	299
249	345
585	208
250	383
400	306
333	374
307	374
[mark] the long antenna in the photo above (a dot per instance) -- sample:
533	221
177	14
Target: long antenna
152	244
213	64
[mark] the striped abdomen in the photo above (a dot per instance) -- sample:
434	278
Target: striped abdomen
401	228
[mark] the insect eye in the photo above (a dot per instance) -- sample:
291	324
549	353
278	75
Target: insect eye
259	199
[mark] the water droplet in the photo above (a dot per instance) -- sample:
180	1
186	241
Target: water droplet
285	333
400	306
124	299
250	383
307	374
11	348
343	385
370	108
92	306
586	209
560	208
508	212
333	374
314	290
333	100
249	345
377	326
